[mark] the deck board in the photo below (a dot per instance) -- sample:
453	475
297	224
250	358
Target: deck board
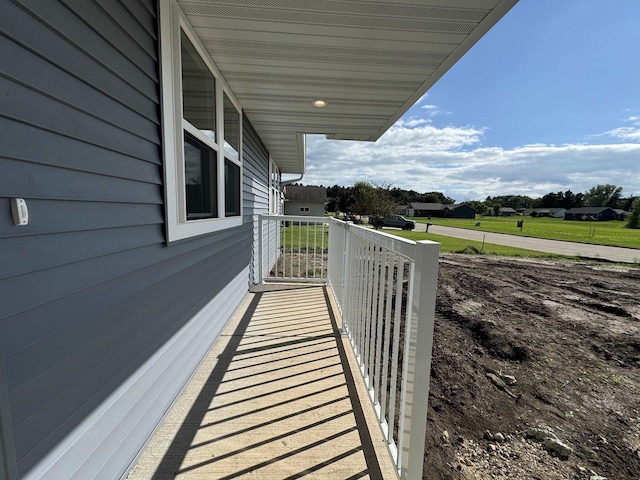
272	400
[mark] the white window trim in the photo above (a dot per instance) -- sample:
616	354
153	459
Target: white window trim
275	195
172	21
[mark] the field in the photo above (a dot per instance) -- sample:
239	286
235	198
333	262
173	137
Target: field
519	345
299	237
459	245
612	233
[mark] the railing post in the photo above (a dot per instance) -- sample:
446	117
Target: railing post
260	249
419	359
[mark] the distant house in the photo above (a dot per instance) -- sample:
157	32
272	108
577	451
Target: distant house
459	210
507	212
545	212
308	201
620	214
590	213
420	209
404	210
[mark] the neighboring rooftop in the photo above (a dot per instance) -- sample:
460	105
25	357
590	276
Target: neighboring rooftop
296	193
427	206
588	210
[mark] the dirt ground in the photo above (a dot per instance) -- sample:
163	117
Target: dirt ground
536	371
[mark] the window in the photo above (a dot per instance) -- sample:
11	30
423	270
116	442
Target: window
202	135
275	197
304	209
200	179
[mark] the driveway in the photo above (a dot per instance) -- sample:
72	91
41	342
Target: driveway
614	254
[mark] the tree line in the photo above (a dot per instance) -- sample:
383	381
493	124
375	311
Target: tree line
381	200
598	196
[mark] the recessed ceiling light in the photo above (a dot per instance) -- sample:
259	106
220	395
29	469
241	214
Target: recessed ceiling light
319	103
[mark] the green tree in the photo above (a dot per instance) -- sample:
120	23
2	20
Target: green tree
373	200
603	196
634	219
496	209
481	208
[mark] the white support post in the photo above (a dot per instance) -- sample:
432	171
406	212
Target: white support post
419	364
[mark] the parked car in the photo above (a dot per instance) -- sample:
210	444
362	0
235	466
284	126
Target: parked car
398	221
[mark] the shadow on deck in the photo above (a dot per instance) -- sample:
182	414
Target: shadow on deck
273	399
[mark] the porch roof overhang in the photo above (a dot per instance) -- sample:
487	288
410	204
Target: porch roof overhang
370	61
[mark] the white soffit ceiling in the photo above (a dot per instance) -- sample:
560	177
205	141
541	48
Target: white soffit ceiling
369	60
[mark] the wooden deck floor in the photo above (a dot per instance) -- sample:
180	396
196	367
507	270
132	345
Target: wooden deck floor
272	401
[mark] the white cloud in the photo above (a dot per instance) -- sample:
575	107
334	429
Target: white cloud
625	133
413	122
631	133
416	155
429	107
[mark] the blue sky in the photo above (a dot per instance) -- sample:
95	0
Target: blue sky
548	100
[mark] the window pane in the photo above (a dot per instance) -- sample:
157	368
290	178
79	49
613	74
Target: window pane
231	188
198	90
231	128
200	179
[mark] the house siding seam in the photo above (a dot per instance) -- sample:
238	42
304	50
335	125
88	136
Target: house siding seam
101	323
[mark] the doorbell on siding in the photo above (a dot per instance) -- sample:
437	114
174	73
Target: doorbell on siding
19	211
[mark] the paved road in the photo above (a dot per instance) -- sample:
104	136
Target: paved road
614	254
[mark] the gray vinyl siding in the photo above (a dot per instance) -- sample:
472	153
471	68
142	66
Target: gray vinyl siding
255	187
293	208
99	318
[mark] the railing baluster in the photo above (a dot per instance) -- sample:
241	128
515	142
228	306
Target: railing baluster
322	251
387	340
306	254
394	354
367	318
379	324
363	296
375	300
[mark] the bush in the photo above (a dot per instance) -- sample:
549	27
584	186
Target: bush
634	218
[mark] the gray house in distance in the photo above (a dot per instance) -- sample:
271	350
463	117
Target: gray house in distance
459	210
308	201
139	142
544	212
590	214
507	212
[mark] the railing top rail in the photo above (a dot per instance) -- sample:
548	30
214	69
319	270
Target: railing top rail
296	218
400	246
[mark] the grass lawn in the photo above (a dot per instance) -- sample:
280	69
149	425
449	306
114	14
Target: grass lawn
458	245
301	236
612	232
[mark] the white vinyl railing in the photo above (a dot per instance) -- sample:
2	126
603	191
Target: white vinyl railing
293	248
385	288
